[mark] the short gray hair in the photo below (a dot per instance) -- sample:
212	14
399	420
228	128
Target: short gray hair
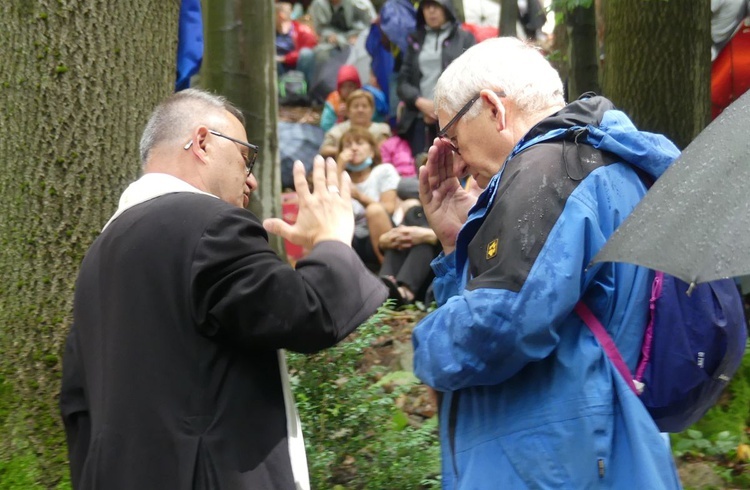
176	116
501	64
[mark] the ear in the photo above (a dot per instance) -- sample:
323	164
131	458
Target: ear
497	108
197	144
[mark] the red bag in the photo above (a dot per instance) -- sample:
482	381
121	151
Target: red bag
730	71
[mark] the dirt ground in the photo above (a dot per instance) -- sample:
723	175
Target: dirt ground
394	351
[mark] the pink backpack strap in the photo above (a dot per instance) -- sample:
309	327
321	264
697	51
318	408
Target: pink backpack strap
606	342
648	335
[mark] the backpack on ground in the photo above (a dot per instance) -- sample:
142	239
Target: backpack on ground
293	89
692	346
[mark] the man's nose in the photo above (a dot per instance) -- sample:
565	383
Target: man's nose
460	169
252	183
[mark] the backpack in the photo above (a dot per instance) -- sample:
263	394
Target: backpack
692	346
293	89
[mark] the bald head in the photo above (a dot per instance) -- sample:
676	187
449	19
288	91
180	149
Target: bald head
173	120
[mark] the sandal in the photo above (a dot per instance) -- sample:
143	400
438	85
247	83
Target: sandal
393	292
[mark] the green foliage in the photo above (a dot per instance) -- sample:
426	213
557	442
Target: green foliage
716	437
561	7
570	4
732	412
356	435
20	473
693	442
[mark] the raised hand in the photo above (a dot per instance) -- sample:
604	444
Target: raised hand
445	202
324	214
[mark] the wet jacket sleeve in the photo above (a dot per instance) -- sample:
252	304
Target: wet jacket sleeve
445	285
492	329
245	294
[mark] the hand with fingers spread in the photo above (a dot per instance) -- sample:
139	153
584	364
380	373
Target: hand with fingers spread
324	214
446	203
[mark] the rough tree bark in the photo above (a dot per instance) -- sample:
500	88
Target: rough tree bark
239	63
657	64
77	82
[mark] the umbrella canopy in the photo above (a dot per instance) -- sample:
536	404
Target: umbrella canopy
694	223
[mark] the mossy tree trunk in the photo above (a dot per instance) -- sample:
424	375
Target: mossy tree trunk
240	64
78	81
657	64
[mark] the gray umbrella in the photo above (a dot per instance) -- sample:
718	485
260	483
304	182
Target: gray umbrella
694	223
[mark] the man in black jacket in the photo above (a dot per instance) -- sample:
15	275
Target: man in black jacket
173	375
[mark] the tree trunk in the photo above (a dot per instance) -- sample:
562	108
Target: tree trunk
584	51
559	50
508	18
657	65
240	64
77	84
458	5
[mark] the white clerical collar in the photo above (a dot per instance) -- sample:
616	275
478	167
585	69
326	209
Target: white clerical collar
150	186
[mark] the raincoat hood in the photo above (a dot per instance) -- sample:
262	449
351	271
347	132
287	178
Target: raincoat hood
597	120
347	73
450	12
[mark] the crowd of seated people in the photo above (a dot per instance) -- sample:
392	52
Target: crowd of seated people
379	130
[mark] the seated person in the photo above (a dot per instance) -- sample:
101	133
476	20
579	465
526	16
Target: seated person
338	23
397	151
373	192
334	109
360	107
408	250
347	81
294	43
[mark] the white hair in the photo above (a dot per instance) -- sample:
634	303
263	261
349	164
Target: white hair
502	64
176	116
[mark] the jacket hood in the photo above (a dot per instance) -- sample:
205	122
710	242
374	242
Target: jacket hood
610	130
450	12
347	73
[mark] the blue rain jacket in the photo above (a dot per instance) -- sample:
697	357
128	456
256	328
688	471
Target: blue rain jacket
528	398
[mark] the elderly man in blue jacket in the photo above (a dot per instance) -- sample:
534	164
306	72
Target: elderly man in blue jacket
528	398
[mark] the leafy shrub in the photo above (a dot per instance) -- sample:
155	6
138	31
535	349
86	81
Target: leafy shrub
356	435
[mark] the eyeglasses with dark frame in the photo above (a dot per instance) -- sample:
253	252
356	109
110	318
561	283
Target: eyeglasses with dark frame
249	160
443	133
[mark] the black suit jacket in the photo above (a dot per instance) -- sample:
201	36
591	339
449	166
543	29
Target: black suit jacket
170	376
